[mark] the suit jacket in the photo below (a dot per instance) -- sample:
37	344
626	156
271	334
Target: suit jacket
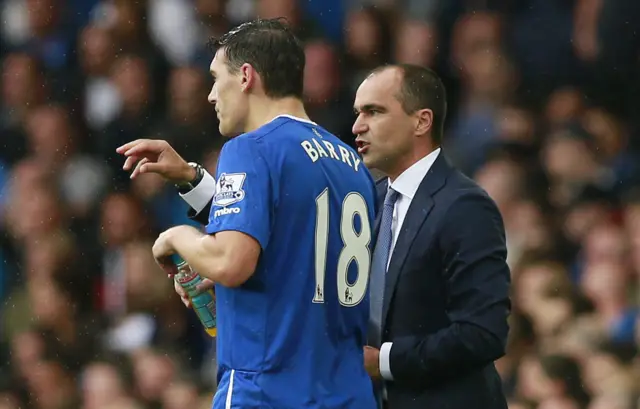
446	299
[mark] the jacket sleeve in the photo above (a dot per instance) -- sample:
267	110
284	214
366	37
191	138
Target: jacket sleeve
473	250
200	198
202	216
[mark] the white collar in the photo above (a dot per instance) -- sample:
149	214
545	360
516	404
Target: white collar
408	182
295	118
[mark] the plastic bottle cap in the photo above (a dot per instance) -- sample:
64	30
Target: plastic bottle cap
177	260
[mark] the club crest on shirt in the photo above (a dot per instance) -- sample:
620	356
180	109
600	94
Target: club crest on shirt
229	189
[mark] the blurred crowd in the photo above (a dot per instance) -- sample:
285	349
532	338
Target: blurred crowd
544	114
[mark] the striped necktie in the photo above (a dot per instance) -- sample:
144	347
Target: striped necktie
379	264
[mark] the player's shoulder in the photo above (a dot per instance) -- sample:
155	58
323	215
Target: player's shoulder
269	138
238	147
260	139
281	125
248	141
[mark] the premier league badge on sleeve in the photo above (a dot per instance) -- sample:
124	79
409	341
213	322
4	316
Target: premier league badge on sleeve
229	189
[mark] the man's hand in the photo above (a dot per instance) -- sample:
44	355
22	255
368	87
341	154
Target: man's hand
202	287
372	362
162	251
156	156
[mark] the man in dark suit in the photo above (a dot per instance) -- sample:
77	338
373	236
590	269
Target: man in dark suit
439	278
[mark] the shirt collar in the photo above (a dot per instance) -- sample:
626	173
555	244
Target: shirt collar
408	182
295	118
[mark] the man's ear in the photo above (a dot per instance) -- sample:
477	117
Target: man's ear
424	122
247	76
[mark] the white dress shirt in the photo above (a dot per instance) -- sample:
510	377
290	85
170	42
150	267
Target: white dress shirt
407	185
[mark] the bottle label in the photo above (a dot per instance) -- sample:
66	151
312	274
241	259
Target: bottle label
186	275
205	306
189	280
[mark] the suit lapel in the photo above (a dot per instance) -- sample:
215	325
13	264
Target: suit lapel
417	214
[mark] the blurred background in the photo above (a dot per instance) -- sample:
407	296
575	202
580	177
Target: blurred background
544	114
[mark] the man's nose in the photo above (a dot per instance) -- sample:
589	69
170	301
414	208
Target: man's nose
359	126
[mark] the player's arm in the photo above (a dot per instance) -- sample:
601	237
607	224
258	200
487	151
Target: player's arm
239	222
228	257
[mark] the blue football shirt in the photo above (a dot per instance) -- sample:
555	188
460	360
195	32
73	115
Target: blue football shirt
292	336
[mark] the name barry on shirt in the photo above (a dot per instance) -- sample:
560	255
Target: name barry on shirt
318	149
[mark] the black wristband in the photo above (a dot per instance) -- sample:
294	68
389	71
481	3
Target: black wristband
189	186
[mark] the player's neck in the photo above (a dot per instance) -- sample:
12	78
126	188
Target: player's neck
263	112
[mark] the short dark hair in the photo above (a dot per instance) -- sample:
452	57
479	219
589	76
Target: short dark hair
273	51
422	88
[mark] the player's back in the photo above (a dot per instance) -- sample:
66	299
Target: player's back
292	336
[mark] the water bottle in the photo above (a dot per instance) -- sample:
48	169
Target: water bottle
204	303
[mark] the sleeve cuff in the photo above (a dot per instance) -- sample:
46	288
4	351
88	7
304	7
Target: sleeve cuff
201	195
385	365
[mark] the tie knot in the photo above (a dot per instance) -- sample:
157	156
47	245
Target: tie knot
391	197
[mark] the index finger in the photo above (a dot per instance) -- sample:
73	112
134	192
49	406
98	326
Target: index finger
141	146
129	145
